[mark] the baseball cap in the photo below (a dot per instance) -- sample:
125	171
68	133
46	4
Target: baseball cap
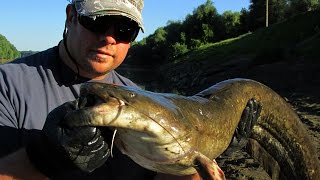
95	8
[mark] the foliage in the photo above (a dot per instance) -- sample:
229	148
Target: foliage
232	23
309	47
7	50
204	27
279	10
298	6
275	42
257	17
178	49
203	24
244	21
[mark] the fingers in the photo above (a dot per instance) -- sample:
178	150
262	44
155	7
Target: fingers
86	147
77	135
161	176
209	169
92	154
80	117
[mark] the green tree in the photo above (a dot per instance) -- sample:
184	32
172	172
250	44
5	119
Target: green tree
205	24
232	23
173	32
178	49
7	51
158	45
299	6
278	10
257	12
244	21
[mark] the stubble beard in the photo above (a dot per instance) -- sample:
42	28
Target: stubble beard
89	68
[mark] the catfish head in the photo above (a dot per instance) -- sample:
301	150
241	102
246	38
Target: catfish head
151	129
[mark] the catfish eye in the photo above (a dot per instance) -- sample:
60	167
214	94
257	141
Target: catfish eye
132	95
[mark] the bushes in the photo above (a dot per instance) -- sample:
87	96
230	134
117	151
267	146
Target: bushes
205	26
7	50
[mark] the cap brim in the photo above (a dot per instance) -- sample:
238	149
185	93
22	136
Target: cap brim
113	12
121	8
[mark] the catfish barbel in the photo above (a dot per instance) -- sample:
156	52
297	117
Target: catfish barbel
167	132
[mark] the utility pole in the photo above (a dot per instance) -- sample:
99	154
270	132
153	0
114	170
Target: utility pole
267	13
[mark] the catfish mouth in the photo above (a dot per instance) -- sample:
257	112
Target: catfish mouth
105	101
87	100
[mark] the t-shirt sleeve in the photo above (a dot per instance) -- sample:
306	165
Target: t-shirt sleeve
13	132
9	132
7	113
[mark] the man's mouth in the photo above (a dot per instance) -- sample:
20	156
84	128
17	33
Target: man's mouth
100	55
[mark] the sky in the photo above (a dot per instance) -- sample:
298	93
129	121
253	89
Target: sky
38	25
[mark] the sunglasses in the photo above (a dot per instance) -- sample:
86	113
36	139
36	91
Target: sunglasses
125	30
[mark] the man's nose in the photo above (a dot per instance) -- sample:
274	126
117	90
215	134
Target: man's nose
109	35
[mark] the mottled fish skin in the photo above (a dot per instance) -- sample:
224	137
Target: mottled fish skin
167	132
279	140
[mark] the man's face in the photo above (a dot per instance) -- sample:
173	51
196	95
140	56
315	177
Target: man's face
95	53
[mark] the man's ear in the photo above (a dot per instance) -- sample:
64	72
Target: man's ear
71	15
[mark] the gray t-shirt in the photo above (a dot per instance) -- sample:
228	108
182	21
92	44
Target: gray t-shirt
30	88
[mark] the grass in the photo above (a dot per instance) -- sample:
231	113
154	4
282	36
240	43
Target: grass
277	40
310	49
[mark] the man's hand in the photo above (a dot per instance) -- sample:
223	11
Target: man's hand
161	176
61	148
205	171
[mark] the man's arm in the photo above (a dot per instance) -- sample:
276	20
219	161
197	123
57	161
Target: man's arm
18	166
56	150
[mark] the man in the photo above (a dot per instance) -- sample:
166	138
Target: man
37	91
96	40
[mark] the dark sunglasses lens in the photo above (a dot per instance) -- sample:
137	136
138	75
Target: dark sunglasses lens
88	23
125	29
125	32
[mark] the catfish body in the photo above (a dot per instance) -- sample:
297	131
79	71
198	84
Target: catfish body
167	132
